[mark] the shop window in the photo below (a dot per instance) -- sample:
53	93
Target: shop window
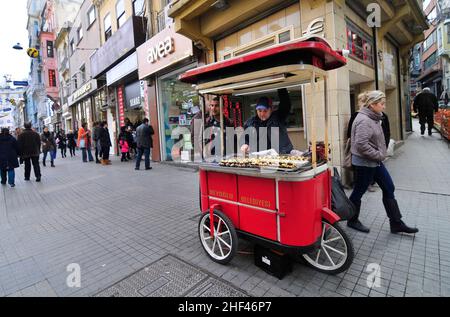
107	25
359	44
91	16
51	78
120	13
50	50
75	83
139	7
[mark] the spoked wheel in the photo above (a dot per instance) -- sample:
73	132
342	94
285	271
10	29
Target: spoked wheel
335	253
222	246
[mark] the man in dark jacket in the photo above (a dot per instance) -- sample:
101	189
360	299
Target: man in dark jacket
267	118
425	104
212	121
29	149
95	138
105	142
8	157
144	143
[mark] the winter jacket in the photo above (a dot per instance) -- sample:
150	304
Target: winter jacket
48	142
71	143
105	140
9	149
29	143
86	135
367	140
144	136
62	141
384	124
124	147
425	103
277	119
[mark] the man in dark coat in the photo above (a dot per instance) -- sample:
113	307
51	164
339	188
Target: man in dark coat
267	118
212	120
426	103
144	142
48	146
105	142
95	138
29	149
8	157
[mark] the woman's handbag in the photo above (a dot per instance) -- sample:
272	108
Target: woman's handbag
82	144
347	154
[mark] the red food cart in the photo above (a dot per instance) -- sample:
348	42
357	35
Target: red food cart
287	211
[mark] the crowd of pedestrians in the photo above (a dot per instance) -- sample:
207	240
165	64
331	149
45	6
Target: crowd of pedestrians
27	145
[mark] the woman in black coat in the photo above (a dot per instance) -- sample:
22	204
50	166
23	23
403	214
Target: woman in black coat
8	157
71	143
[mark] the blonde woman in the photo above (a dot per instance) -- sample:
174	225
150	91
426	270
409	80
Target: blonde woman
368	148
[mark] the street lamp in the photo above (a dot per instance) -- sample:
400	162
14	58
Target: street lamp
18	47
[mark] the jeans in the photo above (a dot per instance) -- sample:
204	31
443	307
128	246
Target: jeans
364	176
89	153
146	152
45	156
11	175
37	170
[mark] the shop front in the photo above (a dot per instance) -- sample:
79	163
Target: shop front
172	103
81	102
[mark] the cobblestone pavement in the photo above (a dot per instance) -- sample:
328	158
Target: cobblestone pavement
114	221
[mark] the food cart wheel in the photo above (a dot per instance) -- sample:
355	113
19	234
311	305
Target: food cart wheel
221	247
335	253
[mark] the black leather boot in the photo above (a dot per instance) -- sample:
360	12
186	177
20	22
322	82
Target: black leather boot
401	227
354	223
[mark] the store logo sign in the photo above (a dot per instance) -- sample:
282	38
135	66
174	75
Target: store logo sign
135	102
86	88
160	50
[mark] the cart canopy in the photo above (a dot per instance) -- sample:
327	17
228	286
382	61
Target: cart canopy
314	52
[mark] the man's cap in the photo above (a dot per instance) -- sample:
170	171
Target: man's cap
263	103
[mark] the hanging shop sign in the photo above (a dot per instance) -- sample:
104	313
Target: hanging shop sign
133	95
162	50
127	66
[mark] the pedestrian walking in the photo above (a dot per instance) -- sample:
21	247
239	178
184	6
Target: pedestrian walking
8	157
105	143
29	148
61	140
425	104
368	150
71	143
84	143
144	142
48	146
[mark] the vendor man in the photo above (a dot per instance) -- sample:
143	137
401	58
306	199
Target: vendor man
266	117
212	120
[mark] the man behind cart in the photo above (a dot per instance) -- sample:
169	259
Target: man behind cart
211	130
267	129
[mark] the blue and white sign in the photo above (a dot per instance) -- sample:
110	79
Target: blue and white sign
20	83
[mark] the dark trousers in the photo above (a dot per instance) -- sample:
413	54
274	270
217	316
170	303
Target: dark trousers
428	118
35	161
63	152
146	152
98	151
45	156
72	150
364	176
105	152
124	156
11	175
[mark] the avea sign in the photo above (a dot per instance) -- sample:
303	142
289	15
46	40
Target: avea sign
160	50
